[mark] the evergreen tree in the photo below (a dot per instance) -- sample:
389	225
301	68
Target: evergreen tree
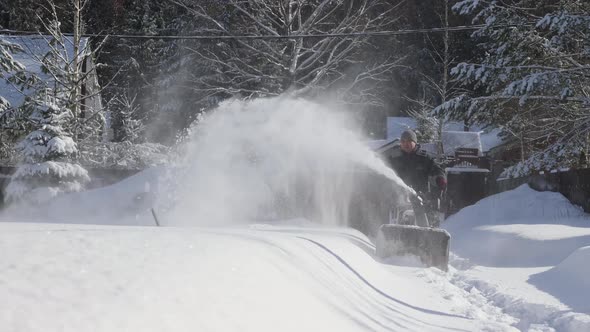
533	78
63	64
29	15
423	82
131	129
46	169
134	66
11	124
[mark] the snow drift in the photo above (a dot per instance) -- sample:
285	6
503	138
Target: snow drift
519	228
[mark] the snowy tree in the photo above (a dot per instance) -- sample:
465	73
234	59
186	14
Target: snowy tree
65	63
428	125
300	66
8	65
437	86
11	124
21	15
140	69
131	125
46	169
534	76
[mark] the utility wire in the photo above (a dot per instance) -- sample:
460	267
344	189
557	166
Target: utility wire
253	37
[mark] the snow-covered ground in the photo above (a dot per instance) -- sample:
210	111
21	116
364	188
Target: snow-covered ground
291	276
106	278
288	276
527	252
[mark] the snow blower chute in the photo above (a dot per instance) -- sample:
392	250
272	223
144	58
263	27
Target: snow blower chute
410	233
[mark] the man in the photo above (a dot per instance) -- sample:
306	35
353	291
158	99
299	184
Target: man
415	167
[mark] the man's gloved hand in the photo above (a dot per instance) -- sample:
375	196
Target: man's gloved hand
441	182
419	198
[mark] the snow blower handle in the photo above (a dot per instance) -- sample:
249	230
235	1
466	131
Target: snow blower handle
416	198
418	205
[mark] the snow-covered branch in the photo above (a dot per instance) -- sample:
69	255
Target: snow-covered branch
533	79
302	66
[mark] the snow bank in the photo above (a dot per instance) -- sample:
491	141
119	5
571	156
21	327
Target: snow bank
125	203
526	251
569	280
519	228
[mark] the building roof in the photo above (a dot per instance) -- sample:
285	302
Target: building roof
381	144
397	125
430	148
453	135
35	48
456	170
453	140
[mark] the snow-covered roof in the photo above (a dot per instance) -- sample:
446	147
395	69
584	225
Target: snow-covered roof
35	48
376	144
490	139
453	140
397	125
453	135
466	170
380	143
454	126
429	148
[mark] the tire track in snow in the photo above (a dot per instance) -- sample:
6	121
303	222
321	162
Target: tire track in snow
383	313
376	289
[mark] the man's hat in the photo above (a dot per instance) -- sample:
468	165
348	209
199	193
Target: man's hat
409	135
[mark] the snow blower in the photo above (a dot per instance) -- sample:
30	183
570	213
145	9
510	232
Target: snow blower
411	233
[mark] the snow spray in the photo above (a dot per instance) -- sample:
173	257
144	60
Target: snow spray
267	158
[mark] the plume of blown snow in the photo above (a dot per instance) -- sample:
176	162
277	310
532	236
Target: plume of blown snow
268	158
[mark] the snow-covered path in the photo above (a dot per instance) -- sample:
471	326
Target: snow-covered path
527	252
257	278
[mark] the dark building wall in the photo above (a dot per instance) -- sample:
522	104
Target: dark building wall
465	189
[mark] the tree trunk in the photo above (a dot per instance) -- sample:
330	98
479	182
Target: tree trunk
522	140
445	84
76	67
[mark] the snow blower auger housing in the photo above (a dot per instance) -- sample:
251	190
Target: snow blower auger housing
411	234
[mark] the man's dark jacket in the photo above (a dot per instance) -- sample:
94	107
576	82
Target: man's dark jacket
414	168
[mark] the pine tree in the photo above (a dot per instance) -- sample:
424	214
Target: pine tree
29	15
533	78
47	166
11	123
46	169
64	63
135	65
131	128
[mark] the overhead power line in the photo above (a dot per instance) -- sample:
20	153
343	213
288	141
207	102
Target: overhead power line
253	37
